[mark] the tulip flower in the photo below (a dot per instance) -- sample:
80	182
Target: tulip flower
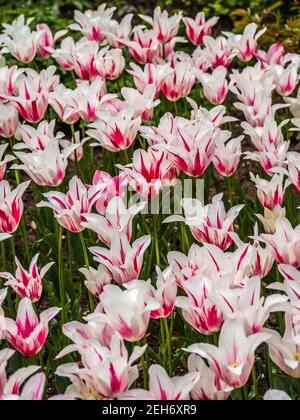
63	55
9	120
8	78
210	387
165	27
128	311
142	103
149	172
197	309
84	55
293	160
46	40
118	33
27	283
285	351
32	383
197	28
285	242
96	280
145	47
117	218
270	193
11	206
270	218
19	40
45	167
294	104
215	85
227	155
150	74
165	292
247	42
110	64
233	359
110	186
215	115
219	51
247	304
122	261
274	55
69	208
271	157
164	388
37	138
115	132
103	372
92	23
210	223
88	98
4	160
179	83
286	79
28	333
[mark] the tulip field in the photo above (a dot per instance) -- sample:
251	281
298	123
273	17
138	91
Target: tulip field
149	210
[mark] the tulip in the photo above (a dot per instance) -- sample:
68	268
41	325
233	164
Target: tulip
45	167
270	193
110	64
269	134
118	33
96	280
122	261
8	78
88	98
197	28
11	206
286	79
197	308
9	120
150	74
63	55
285	351
150	172
164	388
285	242
274	55
219	51
128	311
110	186
115	132
10	389
145	47
19	40
247	42
270	218
165	28
215	85
117	218
165	292
65	103
84	55
142	103
210	223
227	155
215	115
28	333
209	387
233	359
293	160
179	83
38	138
4	160
92	23
27	283
271	157
69	208
46	40
103	373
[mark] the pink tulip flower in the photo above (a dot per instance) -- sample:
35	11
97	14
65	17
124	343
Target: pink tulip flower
69	208
8	78
28	333
197	28
110	64
27	283
9	120
227	155
118	33
215	85
110	186
165	28
145	47
274	55
233	359
179	83
47	40
164	388
286	78
270	193
219	51
246	43
142	103
11	206
122	261
65	103
165	292
96	280
23	384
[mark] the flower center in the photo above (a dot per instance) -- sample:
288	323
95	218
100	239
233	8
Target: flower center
297	357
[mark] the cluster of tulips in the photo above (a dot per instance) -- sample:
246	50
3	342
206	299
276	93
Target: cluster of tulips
204	304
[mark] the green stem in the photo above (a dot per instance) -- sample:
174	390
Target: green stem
156	240
87	263
163	339
4	259
255	384
246	393
169	346
229	190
